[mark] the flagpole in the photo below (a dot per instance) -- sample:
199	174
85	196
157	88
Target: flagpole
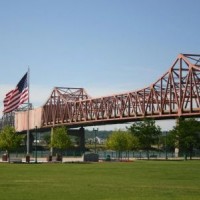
28	135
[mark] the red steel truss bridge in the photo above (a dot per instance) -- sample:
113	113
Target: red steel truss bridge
174	94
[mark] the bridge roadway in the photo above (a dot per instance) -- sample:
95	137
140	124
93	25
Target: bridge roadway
176	93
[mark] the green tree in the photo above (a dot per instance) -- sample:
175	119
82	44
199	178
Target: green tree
121	141
147	133
60	139
185	135
9	139
166	143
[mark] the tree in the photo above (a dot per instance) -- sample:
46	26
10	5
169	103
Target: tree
9	139
185	135
167	142
121	141
60	139
147	133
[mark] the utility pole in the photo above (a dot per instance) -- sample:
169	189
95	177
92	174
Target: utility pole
166	157
36	144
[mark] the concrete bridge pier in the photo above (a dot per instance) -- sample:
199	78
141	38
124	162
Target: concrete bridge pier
80	134
51	149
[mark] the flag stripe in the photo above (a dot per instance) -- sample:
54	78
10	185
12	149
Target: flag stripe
16	97
15	102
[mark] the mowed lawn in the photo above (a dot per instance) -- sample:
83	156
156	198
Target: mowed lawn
111	180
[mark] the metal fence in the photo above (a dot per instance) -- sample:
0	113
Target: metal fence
103	155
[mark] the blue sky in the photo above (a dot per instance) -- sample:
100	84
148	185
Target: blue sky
104	46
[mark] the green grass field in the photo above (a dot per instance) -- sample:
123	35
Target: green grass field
114	180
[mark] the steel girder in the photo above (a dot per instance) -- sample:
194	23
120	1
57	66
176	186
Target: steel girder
176	93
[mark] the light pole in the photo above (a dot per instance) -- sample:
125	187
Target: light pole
35	144
95	131
166	145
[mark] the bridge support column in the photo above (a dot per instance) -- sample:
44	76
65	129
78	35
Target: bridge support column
51	149
176	151
82	138
80	134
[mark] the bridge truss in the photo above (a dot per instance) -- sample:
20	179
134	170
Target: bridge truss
176	93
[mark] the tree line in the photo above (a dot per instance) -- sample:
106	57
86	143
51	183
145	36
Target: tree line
185	135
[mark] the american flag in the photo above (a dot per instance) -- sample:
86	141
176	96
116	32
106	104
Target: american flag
18	96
